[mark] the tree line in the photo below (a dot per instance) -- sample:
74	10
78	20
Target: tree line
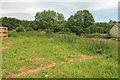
82	22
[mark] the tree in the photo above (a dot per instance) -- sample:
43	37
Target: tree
102	27
81	22
13	24
50	20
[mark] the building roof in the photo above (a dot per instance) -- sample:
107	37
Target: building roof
117	25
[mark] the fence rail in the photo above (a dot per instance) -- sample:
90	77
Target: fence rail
3	32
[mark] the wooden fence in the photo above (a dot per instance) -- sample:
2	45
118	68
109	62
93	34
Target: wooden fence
3	32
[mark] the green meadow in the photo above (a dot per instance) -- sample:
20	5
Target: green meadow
71	56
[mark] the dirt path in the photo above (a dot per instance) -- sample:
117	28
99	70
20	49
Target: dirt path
81	57
5	47
8	45
35	70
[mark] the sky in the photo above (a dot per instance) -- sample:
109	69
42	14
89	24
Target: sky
102	10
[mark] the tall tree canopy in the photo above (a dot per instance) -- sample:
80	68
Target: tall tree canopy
81	22
50	20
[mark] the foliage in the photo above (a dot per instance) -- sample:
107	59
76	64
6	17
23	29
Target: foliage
20	28
12	34
80	22
50	20
98	35
101	27
48	32
13	24
94	35
108	36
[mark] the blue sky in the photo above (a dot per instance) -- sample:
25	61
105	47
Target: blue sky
103	10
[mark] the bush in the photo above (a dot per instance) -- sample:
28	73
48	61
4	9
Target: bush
108	36
98	35
48	32
12	34
20	28
94	35
29	29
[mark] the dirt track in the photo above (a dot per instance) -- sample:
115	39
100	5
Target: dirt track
81	57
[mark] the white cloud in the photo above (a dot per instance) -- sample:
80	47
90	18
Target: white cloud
67	7
26	11
106	4
99	4
34	10
94	5
17	0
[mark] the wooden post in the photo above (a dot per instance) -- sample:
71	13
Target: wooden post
3	32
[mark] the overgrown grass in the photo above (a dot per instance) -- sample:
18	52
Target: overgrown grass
100	47
30	50
80	69
98	35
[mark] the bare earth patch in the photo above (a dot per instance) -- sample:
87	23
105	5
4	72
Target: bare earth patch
35	70
8	45
5	47
80	57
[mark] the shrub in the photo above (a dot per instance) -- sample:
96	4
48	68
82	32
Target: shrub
29	29
12	34
98	35
108	36
48	32
20	28
94	35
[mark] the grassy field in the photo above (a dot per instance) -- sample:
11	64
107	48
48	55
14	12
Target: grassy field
40	55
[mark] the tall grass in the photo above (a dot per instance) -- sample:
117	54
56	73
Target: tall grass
100	47
108	48
30	50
